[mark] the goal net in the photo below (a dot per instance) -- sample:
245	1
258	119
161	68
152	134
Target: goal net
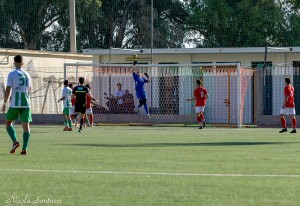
230	89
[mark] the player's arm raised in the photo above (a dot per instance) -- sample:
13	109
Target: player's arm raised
132	69
148	77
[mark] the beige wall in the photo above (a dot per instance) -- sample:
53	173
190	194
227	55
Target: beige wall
40	65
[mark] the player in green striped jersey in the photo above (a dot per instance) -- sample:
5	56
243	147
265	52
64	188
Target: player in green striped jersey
66	97
19	84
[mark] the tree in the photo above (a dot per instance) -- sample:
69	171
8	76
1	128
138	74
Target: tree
28	22
169	24
237	23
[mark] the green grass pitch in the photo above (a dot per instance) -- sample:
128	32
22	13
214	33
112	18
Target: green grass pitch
127	165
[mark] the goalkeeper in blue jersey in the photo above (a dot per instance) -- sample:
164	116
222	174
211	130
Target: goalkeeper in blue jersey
140	89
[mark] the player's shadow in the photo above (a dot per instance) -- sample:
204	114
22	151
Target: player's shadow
204	144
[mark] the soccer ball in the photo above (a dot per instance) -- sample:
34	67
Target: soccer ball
134	56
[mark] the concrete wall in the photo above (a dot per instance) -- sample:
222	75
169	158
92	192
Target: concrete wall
41	66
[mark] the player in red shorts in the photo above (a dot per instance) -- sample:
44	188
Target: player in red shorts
288	107
200	95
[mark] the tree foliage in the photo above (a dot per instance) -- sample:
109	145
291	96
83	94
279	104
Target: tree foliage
238	23
27	22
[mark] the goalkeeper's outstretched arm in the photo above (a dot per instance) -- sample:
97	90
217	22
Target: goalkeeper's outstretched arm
148	77
132	69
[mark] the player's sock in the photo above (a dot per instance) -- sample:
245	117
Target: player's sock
146	108
70	123
87	121
12	133
26	137
294	122
199	119
81	123
283	122
91	120
202	116
202	119
139	108
66	123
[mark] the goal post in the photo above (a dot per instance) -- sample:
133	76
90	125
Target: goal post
228	84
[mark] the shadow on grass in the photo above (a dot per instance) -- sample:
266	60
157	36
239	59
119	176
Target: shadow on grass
206	144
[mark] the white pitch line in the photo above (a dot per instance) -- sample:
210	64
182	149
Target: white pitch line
151	173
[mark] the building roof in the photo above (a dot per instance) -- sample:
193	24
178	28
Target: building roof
116	51
13	52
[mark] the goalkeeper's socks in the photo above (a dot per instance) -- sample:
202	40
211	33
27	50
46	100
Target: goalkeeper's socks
66	122
199	119
26	137
12	133
283	122
146	108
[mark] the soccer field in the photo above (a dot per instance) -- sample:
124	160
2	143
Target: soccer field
123	165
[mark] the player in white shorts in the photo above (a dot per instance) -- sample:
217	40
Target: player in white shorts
288	107
200	95
89	111
200	109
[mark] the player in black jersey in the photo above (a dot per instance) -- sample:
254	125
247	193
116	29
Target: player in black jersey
80	92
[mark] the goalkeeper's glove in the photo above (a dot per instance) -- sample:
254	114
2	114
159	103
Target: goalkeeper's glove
146	74
134	63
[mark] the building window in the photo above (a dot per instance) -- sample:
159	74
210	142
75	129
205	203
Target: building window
260	64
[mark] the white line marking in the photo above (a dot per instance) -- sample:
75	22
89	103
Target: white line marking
151	173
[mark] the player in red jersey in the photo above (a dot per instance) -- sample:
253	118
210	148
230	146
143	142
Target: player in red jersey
288	107
200	95
89	112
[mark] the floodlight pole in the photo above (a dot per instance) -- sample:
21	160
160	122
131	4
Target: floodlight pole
109	56
264	80
73	47
239	96
65	71
152	36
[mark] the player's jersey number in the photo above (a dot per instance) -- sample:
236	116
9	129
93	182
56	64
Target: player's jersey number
202	94
23	81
